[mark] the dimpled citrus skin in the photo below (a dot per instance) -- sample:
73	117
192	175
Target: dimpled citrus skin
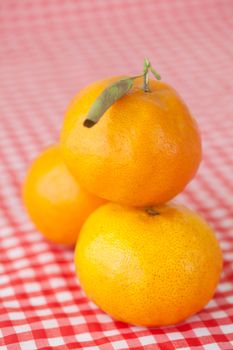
55	202
148	270
143	151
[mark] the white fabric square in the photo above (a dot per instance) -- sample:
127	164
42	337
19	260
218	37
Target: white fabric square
121	344
82	337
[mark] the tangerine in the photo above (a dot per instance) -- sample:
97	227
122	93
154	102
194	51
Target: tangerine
151	267
143	151
57	205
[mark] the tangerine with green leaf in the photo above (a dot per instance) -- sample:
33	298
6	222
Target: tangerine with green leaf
131	140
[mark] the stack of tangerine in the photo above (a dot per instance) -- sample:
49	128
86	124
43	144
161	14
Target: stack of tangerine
125	151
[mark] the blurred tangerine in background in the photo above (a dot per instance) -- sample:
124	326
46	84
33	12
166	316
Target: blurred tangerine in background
55	202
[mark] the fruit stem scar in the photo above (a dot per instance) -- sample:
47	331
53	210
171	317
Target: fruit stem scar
151	211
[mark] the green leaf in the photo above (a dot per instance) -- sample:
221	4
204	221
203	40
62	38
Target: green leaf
156	74
106	99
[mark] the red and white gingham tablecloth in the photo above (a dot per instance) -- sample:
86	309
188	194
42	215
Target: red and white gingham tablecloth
49	49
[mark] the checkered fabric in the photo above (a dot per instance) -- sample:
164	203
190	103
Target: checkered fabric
48	51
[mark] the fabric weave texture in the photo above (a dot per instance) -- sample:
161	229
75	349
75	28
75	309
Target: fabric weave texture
51	49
